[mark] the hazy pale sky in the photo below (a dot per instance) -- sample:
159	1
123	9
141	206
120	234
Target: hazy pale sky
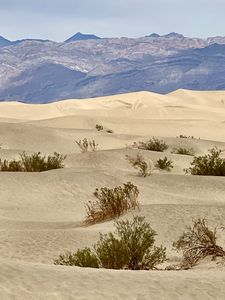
60	19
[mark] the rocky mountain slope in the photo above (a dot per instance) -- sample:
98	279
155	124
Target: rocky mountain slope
40	71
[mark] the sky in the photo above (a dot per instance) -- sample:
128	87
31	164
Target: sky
59	19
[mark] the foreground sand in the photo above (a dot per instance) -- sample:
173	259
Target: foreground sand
41	214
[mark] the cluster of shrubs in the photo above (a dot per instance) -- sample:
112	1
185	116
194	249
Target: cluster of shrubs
132	247
33	163
144	168
182	136
100	128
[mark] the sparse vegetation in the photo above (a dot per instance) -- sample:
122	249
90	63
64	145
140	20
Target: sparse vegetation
183	151
86	145
82	258
138	162
33	163
197	242
99	127
109	131
182	136
152	145
210	164
130	247
164	164
111	203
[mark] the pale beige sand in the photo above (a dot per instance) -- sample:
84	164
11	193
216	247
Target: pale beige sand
41	214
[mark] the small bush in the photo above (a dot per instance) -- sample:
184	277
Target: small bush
164	164
33	163
152	145
109	131
111	203
99	127
86	145
211	164
183	151
82	258
198	242
130	247
140	164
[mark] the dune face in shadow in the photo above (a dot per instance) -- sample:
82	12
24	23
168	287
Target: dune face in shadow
42	214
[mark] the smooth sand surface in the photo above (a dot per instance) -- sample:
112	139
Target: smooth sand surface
41	214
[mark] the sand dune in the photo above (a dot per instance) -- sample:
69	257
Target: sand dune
41	214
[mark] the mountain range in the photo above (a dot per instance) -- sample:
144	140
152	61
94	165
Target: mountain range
85	65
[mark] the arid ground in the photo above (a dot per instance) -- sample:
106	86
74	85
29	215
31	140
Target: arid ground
42	214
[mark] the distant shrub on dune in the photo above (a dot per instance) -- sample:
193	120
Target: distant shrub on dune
197	242
99	127
138	162
111	203
164	164
33	163
183	151
86	145
210	164
152	145
109	131
130	247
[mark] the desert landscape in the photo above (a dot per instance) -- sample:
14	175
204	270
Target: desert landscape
42	214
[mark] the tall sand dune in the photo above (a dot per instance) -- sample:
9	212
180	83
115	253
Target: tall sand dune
42	214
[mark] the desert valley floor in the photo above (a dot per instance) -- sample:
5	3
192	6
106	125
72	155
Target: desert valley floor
42	214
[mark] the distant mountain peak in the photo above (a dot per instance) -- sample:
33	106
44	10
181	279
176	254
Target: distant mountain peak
154	35
82	37
173	35
4	42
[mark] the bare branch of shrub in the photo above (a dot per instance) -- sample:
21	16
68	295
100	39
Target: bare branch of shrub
86	145
197	242
138	162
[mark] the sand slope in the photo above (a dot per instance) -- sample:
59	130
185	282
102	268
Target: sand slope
41	214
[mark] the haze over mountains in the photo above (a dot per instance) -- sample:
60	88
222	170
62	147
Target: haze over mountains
40	71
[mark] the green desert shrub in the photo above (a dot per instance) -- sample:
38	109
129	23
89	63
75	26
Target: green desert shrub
183	151
210	164
164	164
82	258
33	163
86	145
111	203
130	247
138	162
152	144
197	242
